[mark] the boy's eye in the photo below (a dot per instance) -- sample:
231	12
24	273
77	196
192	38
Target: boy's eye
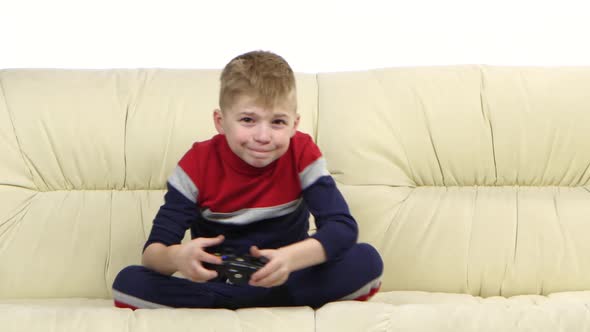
246	120
280	122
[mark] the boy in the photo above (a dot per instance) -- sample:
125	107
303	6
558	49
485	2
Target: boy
250	190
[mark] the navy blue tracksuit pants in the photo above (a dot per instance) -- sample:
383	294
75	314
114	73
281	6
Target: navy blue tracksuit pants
354	276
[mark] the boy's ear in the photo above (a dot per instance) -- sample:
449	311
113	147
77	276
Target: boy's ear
217	118
296	124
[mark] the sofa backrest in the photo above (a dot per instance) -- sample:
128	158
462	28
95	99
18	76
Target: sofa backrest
468	179
85	158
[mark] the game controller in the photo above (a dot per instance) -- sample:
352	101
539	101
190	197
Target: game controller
237	268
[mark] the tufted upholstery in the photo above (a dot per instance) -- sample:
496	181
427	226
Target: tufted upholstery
472	181
468	179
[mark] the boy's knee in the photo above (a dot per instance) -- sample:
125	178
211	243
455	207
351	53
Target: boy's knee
128	277
368	254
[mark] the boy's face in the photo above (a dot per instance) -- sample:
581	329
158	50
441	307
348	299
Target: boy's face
256	134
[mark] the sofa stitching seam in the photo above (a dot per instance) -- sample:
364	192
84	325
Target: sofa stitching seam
18	144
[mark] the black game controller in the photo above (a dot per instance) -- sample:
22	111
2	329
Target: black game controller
237	268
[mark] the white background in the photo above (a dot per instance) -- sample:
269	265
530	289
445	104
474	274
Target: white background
314	36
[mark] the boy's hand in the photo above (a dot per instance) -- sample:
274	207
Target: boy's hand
189	256
275	272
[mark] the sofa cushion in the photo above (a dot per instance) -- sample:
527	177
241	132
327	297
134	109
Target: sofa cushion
483	241
422	311
100	315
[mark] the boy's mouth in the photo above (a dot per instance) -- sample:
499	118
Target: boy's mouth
259	150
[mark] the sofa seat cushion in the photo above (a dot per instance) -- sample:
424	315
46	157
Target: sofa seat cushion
423	311
100	315
416	297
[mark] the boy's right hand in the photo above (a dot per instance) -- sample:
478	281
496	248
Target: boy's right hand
189	256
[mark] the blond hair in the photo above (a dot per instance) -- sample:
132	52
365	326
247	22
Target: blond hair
263	75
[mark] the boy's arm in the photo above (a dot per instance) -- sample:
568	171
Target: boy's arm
159	257
164	253
170	224
337	230
285	260
174	217
306	253
186	258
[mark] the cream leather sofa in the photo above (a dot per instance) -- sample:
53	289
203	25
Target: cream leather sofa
472	181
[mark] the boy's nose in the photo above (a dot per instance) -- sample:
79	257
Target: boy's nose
263	134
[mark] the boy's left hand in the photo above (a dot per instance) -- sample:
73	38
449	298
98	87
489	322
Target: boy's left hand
275	272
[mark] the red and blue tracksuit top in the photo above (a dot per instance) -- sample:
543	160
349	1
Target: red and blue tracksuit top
212	191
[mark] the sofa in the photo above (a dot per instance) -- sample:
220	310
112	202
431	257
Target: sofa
472	181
